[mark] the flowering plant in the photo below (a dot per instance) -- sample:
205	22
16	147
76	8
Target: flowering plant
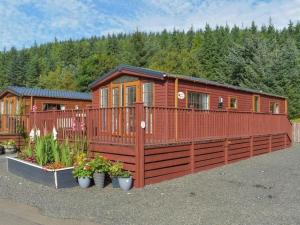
83	170
100	164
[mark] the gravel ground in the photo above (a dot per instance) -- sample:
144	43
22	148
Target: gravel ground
262	190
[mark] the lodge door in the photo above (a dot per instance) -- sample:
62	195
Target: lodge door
123	114
131	95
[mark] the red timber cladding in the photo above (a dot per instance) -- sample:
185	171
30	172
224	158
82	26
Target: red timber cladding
245	99
95	98
265	103
209	154
164	163
168	162
261	144
124	154
278	142
159	94
239	149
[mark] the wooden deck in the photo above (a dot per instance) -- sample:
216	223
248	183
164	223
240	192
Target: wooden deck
174	142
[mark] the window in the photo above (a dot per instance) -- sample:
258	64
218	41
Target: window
198	100
256	103
2	107
274	107
220	103
103	97
51	106
233	102
148	94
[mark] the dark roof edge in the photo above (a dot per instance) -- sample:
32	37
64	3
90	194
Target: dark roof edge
57	94
122	67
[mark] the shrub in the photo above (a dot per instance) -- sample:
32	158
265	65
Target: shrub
83	170
40	154
66	158
56	150
100	164
115	169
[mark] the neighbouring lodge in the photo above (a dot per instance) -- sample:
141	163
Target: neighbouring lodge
17	103
160	125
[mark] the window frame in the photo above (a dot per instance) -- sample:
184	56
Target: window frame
274	103
100	97
143	97
197	92
229	102
253	102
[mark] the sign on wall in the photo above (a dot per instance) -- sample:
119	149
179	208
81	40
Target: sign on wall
180	95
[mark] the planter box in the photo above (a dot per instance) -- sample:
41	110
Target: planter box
60	178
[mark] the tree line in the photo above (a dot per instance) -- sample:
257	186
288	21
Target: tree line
263	58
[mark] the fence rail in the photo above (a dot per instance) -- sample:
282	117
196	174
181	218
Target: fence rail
69	124
169	125
162	125
13	124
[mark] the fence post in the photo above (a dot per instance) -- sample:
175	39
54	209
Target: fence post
270	143
139	145
251	145
193	141
226	137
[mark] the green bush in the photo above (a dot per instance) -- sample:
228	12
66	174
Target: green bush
66	157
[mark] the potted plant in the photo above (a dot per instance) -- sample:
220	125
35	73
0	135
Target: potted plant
115	170
125	180
10	146
100	167
84	173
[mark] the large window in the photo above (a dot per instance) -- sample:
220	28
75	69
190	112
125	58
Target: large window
233	102
51	106
103	97
256	103
274	107
198	100
148	94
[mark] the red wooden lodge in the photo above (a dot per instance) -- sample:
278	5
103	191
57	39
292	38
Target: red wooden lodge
163	126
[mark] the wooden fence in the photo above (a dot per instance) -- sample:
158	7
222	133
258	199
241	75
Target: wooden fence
13	124
157	144
296	132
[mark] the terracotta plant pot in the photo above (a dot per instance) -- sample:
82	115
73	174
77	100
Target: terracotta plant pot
84	182
125	183
99	179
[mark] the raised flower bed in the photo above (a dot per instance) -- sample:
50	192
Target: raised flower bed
57	178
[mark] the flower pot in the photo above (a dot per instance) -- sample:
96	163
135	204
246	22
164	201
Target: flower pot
2	151
10	149
84	182
115	182
99	179
125	183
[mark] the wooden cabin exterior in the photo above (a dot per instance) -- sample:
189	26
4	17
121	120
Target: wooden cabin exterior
126	85
163	126
16	103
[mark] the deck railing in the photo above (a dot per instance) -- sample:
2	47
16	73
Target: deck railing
69	124
13	124
169	125
162	125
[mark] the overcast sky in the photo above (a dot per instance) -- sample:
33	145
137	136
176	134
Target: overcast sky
24	21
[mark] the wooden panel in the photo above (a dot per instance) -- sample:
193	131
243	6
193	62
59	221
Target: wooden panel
166	163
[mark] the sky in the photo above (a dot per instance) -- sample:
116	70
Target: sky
22	22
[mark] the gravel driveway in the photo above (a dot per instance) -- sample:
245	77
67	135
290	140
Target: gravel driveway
261	190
